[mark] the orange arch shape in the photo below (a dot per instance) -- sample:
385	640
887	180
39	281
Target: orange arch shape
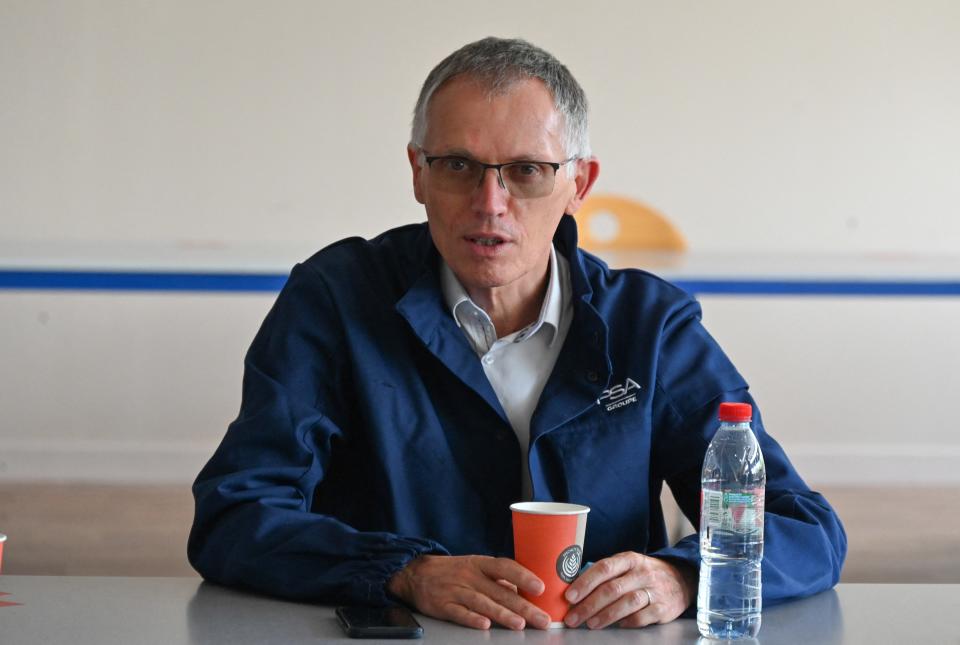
618	223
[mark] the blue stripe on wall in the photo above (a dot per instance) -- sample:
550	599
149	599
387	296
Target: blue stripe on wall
273	282
140	281
824	287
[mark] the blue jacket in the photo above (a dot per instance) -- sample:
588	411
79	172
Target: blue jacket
369	435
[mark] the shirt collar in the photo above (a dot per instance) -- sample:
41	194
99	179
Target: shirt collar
459	301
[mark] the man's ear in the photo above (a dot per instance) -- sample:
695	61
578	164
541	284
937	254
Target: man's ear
587	172
412	154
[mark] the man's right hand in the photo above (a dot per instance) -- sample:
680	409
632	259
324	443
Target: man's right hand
471	590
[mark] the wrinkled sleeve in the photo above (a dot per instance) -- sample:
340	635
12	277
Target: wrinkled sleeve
253	526
804	542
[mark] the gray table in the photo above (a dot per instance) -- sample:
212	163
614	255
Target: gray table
170	611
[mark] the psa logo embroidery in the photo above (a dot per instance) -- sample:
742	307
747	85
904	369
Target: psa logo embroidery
619	396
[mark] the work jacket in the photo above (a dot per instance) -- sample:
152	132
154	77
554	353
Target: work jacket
368	433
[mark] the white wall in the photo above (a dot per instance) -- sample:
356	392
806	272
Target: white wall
249	120
775	126
858	390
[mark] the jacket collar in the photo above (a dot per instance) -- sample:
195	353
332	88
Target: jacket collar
565	241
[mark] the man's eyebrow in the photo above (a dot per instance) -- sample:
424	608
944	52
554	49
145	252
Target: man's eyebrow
456	152
466	154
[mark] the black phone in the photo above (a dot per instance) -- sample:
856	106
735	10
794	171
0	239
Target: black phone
378	622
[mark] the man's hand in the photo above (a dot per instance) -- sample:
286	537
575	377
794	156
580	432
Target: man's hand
472	590
631	588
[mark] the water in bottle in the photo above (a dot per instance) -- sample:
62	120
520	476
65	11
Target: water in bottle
731	529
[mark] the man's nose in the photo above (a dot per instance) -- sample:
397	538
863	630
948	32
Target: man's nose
491	194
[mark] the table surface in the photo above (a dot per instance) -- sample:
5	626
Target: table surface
82	610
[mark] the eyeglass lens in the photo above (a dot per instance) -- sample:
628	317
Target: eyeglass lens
523	179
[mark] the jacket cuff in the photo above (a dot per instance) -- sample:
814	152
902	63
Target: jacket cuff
371	587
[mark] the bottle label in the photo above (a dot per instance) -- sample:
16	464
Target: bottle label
737	512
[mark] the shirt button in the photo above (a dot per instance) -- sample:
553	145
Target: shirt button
592	376
488	360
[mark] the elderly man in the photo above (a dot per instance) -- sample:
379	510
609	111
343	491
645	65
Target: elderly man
403	391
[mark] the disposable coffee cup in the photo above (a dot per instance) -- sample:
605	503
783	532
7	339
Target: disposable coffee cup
548	540
3	538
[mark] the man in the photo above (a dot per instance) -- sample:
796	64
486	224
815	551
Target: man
403	391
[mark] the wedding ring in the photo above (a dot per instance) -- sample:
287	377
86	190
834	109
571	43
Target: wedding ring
649	597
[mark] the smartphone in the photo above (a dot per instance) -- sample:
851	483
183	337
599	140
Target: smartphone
378	622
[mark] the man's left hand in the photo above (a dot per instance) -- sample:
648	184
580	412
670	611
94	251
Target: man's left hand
632	589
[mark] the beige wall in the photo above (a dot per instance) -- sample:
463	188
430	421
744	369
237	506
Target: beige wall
761	126
250	120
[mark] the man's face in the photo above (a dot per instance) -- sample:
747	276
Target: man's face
488	237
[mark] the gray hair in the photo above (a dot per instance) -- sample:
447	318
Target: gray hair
498	63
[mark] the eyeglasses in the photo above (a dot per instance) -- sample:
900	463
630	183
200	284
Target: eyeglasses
522	179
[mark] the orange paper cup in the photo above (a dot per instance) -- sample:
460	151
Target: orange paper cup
548	540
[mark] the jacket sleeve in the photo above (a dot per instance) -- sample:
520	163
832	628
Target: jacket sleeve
804	542
253	526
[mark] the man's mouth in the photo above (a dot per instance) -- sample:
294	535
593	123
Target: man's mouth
486	241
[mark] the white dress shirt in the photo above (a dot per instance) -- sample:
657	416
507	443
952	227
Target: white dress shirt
519	364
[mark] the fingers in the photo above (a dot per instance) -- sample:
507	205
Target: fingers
473	591
599	573
463	616
511	578
508	585
513	572
609	602
633	609
632	589
519	606
498	604
484	606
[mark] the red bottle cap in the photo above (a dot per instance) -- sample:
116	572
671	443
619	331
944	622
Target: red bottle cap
735	412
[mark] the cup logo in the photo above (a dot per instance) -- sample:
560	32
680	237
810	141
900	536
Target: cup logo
568	564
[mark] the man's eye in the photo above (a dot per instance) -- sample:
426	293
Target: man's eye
456	164
523	171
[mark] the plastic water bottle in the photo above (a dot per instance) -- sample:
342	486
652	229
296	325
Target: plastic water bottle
731	529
